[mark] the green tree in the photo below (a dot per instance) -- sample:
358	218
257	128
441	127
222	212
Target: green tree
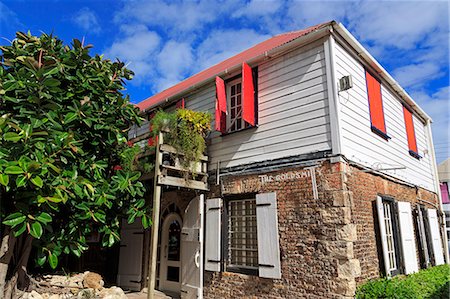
63	128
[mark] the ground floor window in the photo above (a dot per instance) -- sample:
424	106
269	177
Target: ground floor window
389	235
242	234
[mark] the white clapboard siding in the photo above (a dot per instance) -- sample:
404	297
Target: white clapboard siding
212	234
382	226
435	237
361	145
293	113
407	237
268	240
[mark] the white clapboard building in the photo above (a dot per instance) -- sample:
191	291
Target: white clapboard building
321	175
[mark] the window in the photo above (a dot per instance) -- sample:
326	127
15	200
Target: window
389	235
378	124
235	121
236	101
410	134
242	235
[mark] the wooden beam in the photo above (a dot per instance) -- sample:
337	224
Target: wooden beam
171	149
181	182
155	226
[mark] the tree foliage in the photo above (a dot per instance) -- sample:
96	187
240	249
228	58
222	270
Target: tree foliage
63	127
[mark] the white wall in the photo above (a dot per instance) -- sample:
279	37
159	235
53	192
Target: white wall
293	112
360	144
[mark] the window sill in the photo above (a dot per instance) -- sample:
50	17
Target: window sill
415	155
380	133
241	130
244	271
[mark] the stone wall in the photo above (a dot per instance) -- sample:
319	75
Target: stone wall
316	236
365	187
327	245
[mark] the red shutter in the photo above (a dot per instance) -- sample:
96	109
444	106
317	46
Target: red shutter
375	103
151	140
180	104
221	106
412	143
248	91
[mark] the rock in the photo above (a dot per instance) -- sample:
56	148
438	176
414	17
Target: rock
86	294
112	293
93	280
54	296
34	295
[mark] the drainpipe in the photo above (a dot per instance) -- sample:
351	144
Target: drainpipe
436	183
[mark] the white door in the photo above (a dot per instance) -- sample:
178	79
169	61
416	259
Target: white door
170	254
192	250
130	256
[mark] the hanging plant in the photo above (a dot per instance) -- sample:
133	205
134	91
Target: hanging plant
186	131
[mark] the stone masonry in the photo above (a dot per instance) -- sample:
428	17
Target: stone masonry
327	245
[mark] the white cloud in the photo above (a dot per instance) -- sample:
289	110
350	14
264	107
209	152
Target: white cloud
9	18
417	75
437	105
87	20
174	62
178	16
137	46
400	24
258	8
222	44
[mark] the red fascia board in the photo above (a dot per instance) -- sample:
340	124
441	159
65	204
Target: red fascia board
238	59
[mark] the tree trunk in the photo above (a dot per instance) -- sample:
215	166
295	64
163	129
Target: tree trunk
21	267
6	252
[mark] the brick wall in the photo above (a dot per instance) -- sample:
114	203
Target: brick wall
328	245
315	237
365	187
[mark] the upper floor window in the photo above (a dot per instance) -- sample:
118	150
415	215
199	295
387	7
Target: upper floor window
235	121
236	101
378	124
410	133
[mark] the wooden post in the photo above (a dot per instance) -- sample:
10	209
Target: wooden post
155	216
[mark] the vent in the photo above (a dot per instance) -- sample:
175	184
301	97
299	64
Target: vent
345	83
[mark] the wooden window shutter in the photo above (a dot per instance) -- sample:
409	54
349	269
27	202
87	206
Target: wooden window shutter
435	237
248	91
152	141
382	226
180	104
268	240
410	134
378	124
407	238
221	106
212	234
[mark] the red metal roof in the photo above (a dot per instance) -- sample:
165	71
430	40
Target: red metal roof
246	55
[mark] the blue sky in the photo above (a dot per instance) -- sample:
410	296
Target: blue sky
165	42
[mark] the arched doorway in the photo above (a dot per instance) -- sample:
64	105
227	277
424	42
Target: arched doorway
170	271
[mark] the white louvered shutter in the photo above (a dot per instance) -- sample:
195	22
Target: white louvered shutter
268	240
382	225
407	237
212	234
435	237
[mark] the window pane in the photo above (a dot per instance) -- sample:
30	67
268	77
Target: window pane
242	236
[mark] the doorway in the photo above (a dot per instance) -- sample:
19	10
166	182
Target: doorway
170	272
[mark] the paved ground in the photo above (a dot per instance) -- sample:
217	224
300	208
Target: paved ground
143	295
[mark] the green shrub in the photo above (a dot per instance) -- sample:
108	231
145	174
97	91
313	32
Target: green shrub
186	131
429	283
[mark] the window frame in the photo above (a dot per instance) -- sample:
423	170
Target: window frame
225	237
374	128
395	234
229	81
